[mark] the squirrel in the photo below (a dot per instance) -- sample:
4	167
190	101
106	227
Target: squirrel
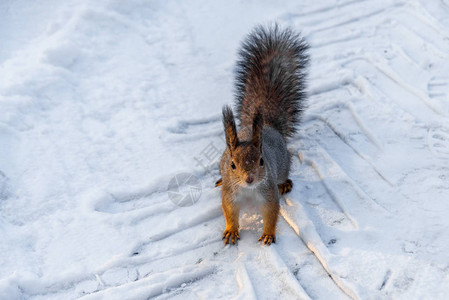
270	98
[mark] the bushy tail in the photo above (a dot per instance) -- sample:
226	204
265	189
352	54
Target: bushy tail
271	72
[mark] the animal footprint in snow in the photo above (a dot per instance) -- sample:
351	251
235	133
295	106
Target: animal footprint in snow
438	91
438	141
438	87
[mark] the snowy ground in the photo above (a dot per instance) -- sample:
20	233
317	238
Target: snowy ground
102	103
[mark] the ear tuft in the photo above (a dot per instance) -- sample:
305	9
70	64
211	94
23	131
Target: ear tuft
230	128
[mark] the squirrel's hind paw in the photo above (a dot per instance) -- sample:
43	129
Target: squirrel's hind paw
285	187
230	235
267	239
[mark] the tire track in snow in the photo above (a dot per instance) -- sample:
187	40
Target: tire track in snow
352	21
116	273
342	190
317	246
157	284
288	276
246	287
209	215
391	75
129	209
385	71
306	231
271	273
325	9
357	152
304	266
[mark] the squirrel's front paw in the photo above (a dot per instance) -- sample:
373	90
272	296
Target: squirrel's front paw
267	239
230	234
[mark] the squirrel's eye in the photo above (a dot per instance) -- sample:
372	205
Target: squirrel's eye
233	165
261	162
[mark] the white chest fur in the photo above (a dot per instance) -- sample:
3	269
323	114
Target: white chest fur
250	195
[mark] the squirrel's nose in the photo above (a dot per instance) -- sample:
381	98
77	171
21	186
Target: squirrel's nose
249	179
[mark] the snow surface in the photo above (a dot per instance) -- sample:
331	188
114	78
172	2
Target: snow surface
102	103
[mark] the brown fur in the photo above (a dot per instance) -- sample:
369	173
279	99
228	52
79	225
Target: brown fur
270	213
244	160
231	213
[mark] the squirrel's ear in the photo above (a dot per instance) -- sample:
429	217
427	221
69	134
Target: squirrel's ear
257	130
230	128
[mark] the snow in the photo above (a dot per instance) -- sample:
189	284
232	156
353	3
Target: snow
102	103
